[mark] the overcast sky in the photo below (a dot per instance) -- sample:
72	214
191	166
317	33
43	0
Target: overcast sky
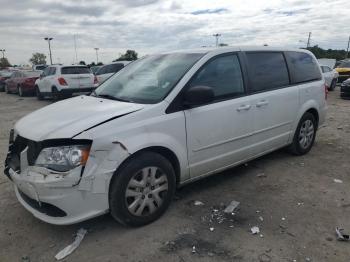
149	26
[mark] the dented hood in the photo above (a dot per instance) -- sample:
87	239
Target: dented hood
70	117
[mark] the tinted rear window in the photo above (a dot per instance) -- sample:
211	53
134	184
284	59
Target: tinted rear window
42	67
303	67
75	70
267	70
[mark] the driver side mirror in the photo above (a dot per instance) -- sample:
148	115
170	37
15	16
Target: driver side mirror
198	95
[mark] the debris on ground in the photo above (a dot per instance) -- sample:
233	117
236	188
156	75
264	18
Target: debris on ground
198	203
302	164
283	218
261	218
338	181
25	259
341	236
70	249
193	249
261	175
211	229
255	230
231	207
264	258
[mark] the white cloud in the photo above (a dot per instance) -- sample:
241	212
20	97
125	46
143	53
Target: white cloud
153	25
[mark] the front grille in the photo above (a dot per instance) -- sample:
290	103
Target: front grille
16	147
43	207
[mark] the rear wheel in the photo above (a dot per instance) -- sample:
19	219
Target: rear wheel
38	93
142	189
305	134
55	94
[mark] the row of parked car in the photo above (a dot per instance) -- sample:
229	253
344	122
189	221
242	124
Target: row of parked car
57	81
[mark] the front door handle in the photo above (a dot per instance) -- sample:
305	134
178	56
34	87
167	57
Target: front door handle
262	103
243	107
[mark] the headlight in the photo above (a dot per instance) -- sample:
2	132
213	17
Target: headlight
63	158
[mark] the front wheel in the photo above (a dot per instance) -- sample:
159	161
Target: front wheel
7	91
304	136
142	189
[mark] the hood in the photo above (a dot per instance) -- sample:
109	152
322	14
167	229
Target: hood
69	117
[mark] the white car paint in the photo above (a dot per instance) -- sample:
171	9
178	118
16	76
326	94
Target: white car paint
107	71
204	139
329	74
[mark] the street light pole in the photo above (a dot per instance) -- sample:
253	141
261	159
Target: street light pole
217	39
48	39
96	49
3	53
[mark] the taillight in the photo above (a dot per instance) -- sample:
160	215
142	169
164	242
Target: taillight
325	91
95	80
62	81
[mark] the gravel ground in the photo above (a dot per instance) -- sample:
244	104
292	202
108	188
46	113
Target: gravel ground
293	200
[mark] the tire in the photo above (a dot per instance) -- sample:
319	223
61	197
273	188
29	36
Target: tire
333	84
55	94
20	91
39	96
147	200
7	89
303	140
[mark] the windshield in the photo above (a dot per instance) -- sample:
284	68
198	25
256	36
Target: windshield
32	74
6	74
148	80
343	64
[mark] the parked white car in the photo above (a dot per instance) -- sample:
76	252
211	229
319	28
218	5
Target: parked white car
107	71
330	76
58	81
168	120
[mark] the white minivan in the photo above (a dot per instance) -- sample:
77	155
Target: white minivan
161	122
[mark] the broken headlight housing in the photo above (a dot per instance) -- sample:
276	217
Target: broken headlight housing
63	158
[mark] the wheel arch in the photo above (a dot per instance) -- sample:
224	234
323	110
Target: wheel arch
165	152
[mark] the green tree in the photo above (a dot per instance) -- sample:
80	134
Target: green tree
130	55
329	53
4	62
82	63
223	44
38	59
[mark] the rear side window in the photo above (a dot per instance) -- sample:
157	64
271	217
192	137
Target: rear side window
303	67
75	70
267	71
113	68
52	71
223	74
325	69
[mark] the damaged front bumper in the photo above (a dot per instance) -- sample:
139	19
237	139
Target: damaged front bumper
56	198
60	198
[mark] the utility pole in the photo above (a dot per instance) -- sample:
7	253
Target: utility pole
347	49
3	53
308	40
96	49
217	39
75	48
48	39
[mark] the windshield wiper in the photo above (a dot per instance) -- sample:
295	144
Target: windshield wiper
107	96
